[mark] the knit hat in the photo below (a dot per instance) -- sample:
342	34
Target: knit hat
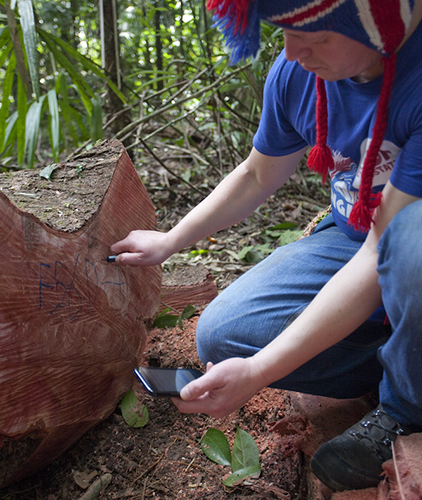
379	24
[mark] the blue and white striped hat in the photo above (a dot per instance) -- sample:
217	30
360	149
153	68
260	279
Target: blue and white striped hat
378	24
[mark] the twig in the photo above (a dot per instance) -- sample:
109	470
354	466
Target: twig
147	470
205	495
154	464
209	88
166	125
197	466
188	467
172	308
156	158
144	488
96	487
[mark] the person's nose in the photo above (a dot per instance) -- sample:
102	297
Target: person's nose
295	48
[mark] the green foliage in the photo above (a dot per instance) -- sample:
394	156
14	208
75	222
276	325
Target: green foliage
27	21
47	171
216	447
166	320
24	114
175	74
244	460
273	237
134	413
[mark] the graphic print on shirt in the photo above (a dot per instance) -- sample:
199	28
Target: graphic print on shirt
346	175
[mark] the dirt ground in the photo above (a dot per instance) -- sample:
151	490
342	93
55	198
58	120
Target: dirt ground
164	459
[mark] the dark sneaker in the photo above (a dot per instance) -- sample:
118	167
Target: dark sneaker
353	460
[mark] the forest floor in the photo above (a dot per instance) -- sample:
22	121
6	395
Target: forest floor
164	460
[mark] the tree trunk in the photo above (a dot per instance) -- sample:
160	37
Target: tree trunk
112	57
73	326
158	46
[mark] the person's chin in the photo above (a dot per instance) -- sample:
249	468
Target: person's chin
319	71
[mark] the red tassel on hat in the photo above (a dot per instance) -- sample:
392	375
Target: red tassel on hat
361	215
320	158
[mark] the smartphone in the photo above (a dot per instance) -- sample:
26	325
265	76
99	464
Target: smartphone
166	382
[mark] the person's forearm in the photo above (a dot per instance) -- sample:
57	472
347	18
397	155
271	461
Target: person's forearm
236	197
345	302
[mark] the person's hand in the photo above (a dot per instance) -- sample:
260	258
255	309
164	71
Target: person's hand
225	387
142	248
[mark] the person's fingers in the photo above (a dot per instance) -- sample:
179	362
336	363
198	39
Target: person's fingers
120	246
204	404
200	386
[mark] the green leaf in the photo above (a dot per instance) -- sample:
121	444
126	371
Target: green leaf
88	65
134	413
201	251
47	171
245	250
5	103
80	120
82	87
245	451
10	129
32	126
283	225
253	255
5	53
289	237
241	475
54	123
188	312
216	447
96	120
22	110
164	320
61	88
27	20
5	37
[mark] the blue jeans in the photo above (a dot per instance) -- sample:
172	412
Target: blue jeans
260	304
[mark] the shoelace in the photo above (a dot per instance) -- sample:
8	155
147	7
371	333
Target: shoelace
380	445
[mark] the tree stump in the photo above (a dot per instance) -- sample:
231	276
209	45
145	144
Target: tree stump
187	286
72	325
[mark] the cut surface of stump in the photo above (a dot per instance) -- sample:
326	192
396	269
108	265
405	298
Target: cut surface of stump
73	326
187	286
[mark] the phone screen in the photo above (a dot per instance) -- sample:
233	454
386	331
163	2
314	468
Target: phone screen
166	381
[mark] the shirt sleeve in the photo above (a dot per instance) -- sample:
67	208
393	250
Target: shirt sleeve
407	120
407	171
276	136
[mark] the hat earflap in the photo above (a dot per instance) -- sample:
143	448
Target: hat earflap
320	158
361	215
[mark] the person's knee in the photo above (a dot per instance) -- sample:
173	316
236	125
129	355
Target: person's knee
213	333
204	337
223	332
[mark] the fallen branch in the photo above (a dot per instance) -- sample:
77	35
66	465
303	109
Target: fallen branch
96	487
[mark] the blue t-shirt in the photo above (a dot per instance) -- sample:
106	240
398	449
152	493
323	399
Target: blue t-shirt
288	124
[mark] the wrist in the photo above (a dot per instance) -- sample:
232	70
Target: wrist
258	373
177	239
